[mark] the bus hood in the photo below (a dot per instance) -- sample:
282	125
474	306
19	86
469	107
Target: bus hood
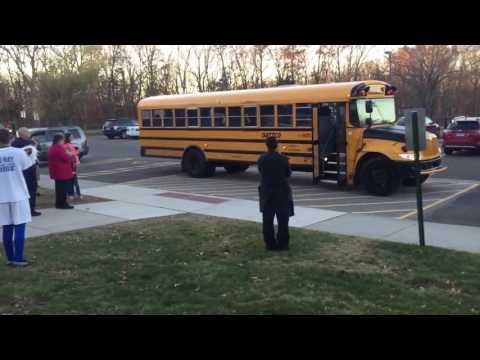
393	133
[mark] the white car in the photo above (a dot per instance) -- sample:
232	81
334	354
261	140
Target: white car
133	132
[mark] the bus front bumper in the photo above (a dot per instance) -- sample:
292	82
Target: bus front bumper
428	167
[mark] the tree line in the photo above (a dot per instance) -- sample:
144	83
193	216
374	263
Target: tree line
86	84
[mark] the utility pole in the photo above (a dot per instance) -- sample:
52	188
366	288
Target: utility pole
389	53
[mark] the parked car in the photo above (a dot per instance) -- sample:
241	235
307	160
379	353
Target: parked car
44	138
463	133
117	128
430	125
3	127
133	132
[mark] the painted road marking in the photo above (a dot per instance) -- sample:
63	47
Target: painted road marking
122	170
108	161
440	201
374	203
381	211
245	186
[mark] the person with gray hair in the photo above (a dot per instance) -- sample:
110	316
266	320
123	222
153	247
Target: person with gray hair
25	142
14	204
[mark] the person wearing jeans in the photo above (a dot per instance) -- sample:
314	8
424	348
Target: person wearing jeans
74	187
61	170
14	200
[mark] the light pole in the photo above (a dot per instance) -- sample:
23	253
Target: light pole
389	53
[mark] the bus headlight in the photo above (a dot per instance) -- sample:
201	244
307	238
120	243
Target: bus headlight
408	156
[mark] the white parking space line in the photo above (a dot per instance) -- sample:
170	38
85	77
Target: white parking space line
381	211
440	201
108	161
372	203
210	187
123	170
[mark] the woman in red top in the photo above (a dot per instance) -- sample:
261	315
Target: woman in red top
61	170
72	149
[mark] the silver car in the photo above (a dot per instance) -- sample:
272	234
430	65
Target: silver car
44	138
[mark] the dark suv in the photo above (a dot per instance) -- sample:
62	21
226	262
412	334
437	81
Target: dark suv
117	127
44	137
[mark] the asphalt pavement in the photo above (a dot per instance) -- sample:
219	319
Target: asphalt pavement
450	197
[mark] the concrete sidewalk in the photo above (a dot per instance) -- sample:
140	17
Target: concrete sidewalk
133	203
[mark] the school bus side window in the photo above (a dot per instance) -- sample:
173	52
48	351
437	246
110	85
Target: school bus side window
192	115
157	118
267	116
234	116
220	117
304	115
179	117
250	116
146	121
285	118
168	118
205	117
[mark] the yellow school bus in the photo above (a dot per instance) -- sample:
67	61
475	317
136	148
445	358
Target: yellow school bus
342	132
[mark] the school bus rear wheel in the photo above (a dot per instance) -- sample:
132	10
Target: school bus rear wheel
378	176
196	165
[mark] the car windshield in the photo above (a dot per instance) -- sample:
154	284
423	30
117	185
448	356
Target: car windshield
127	123
401	121
75	133
464	125
383	111
50	134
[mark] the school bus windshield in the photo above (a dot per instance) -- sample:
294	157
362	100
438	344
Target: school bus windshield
383	111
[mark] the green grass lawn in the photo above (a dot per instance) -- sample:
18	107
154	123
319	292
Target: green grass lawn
202	265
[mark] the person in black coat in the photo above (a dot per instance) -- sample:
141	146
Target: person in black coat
29	174
275	196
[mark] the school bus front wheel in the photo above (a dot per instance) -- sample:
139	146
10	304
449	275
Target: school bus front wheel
378	176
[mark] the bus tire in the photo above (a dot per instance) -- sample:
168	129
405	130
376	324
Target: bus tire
378	176
447	151
196	165
410	181
235	168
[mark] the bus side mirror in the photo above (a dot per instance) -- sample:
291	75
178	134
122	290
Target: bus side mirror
369	106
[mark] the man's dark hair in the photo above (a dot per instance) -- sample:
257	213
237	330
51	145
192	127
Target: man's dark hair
57	138
271	143
68	138
4	136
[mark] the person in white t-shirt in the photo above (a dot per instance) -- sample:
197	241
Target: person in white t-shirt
14	200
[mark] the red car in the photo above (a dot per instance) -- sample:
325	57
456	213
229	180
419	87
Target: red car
463	133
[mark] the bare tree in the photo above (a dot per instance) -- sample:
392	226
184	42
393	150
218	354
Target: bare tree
259	59
202	73
182	69
422	70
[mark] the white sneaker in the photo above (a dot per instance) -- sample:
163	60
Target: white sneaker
20	263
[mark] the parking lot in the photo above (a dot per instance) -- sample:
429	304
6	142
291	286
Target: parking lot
118	161
324	195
